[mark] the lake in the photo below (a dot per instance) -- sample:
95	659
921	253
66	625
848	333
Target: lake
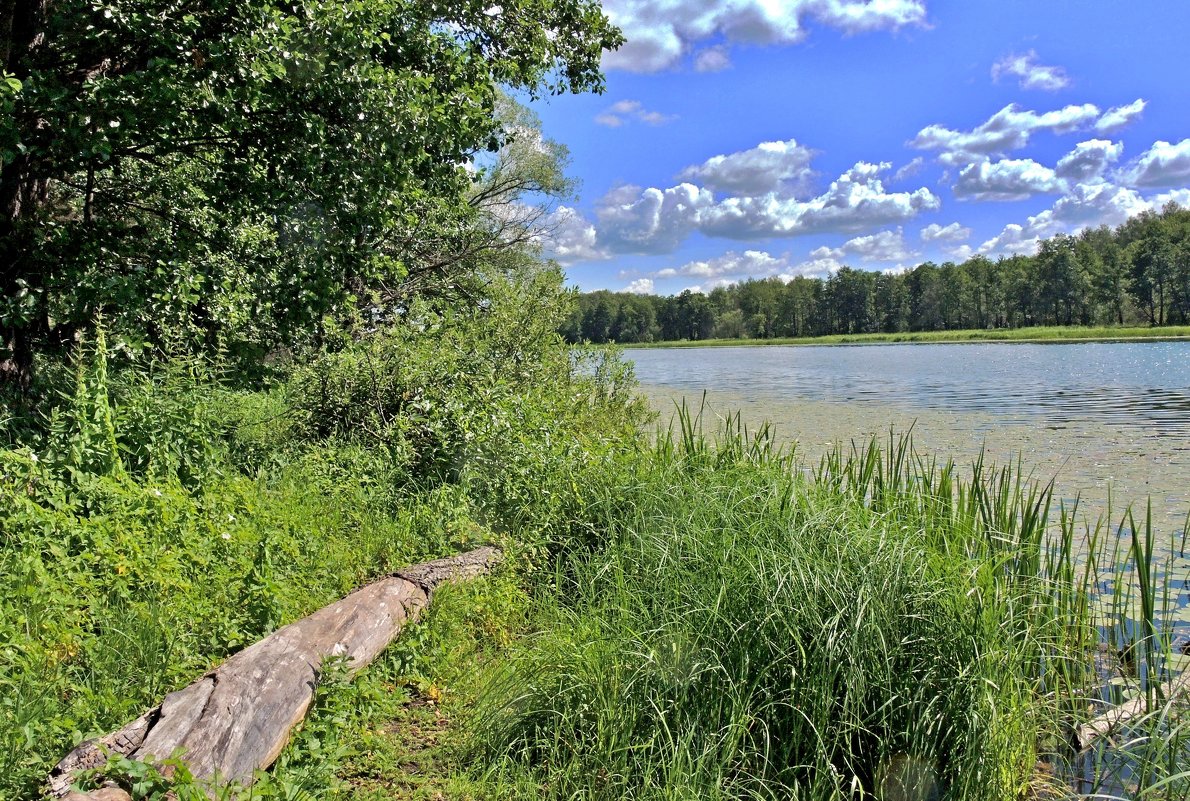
1109	421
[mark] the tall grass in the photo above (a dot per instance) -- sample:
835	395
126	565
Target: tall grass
884	627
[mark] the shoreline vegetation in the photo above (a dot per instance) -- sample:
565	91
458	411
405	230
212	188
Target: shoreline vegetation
1034	335
276	324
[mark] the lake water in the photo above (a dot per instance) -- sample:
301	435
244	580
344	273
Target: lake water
1106	420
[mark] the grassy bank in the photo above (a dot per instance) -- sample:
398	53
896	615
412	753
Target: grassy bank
886	626
687	617
1036	334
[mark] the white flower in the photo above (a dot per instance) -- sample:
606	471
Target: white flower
225	535
157	493
33	458
231	518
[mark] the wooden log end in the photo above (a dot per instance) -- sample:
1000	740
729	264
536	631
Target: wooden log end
429	575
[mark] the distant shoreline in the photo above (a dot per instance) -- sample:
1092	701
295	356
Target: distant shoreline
1046	334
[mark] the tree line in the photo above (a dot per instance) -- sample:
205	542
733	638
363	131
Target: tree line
1137	273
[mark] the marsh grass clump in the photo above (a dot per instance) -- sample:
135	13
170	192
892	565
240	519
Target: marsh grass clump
747	632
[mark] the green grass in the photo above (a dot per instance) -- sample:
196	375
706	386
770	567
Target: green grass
748	632
1034	334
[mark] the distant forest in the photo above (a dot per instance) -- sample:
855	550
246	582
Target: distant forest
1138	273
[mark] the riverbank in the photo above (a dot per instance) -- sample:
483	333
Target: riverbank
1039	334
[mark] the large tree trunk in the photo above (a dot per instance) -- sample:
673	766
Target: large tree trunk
237	718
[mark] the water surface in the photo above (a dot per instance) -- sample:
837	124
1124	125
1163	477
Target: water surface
1106	420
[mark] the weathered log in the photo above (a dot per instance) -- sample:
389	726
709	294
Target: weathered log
237	718
1104	724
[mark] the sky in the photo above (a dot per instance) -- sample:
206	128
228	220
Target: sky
756	138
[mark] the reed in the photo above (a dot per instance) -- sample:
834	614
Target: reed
885	625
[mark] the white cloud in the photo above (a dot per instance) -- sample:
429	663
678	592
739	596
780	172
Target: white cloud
659	34
567	237
1091	204
712	59
1006	130
1089	159
1007	179
880	246
855	201
1097	203
707	287
623	112
1031	75
635	220
760	169
958	253
652	220
641	286
1120	116
908	170
1163	164
1179	196
749	263
954	232
813	268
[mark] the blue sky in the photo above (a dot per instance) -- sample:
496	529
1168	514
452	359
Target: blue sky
751	138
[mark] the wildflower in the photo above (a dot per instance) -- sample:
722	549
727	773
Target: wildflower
157	493
225	535
33	458
231	518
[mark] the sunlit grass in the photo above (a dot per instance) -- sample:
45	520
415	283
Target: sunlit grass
749	631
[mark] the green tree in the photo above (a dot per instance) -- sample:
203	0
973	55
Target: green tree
186	168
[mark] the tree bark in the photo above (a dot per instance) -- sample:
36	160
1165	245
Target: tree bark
237	718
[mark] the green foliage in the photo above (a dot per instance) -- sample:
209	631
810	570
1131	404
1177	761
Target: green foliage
1136	274
226	176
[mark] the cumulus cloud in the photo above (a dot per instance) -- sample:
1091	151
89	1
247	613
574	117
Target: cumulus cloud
641	286
567	237
636	220
856	201
880	246
751	263
1096	203
1119	116
1006	130
709	286
953	233
819	267
660	34
1007	179
1030	74
623	112
632	219
1163	164
712	59
1089	159
755	171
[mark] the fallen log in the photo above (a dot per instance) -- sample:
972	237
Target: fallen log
1104	724
237	718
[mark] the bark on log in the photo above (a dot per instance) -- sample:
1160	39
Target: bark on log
1104	724
237	718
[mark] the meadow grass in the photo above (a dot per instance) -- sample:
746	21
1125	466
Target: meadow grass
1061	333
883	628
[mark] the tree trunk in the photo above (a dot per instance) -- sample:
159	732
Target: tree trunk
237	718
22	192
